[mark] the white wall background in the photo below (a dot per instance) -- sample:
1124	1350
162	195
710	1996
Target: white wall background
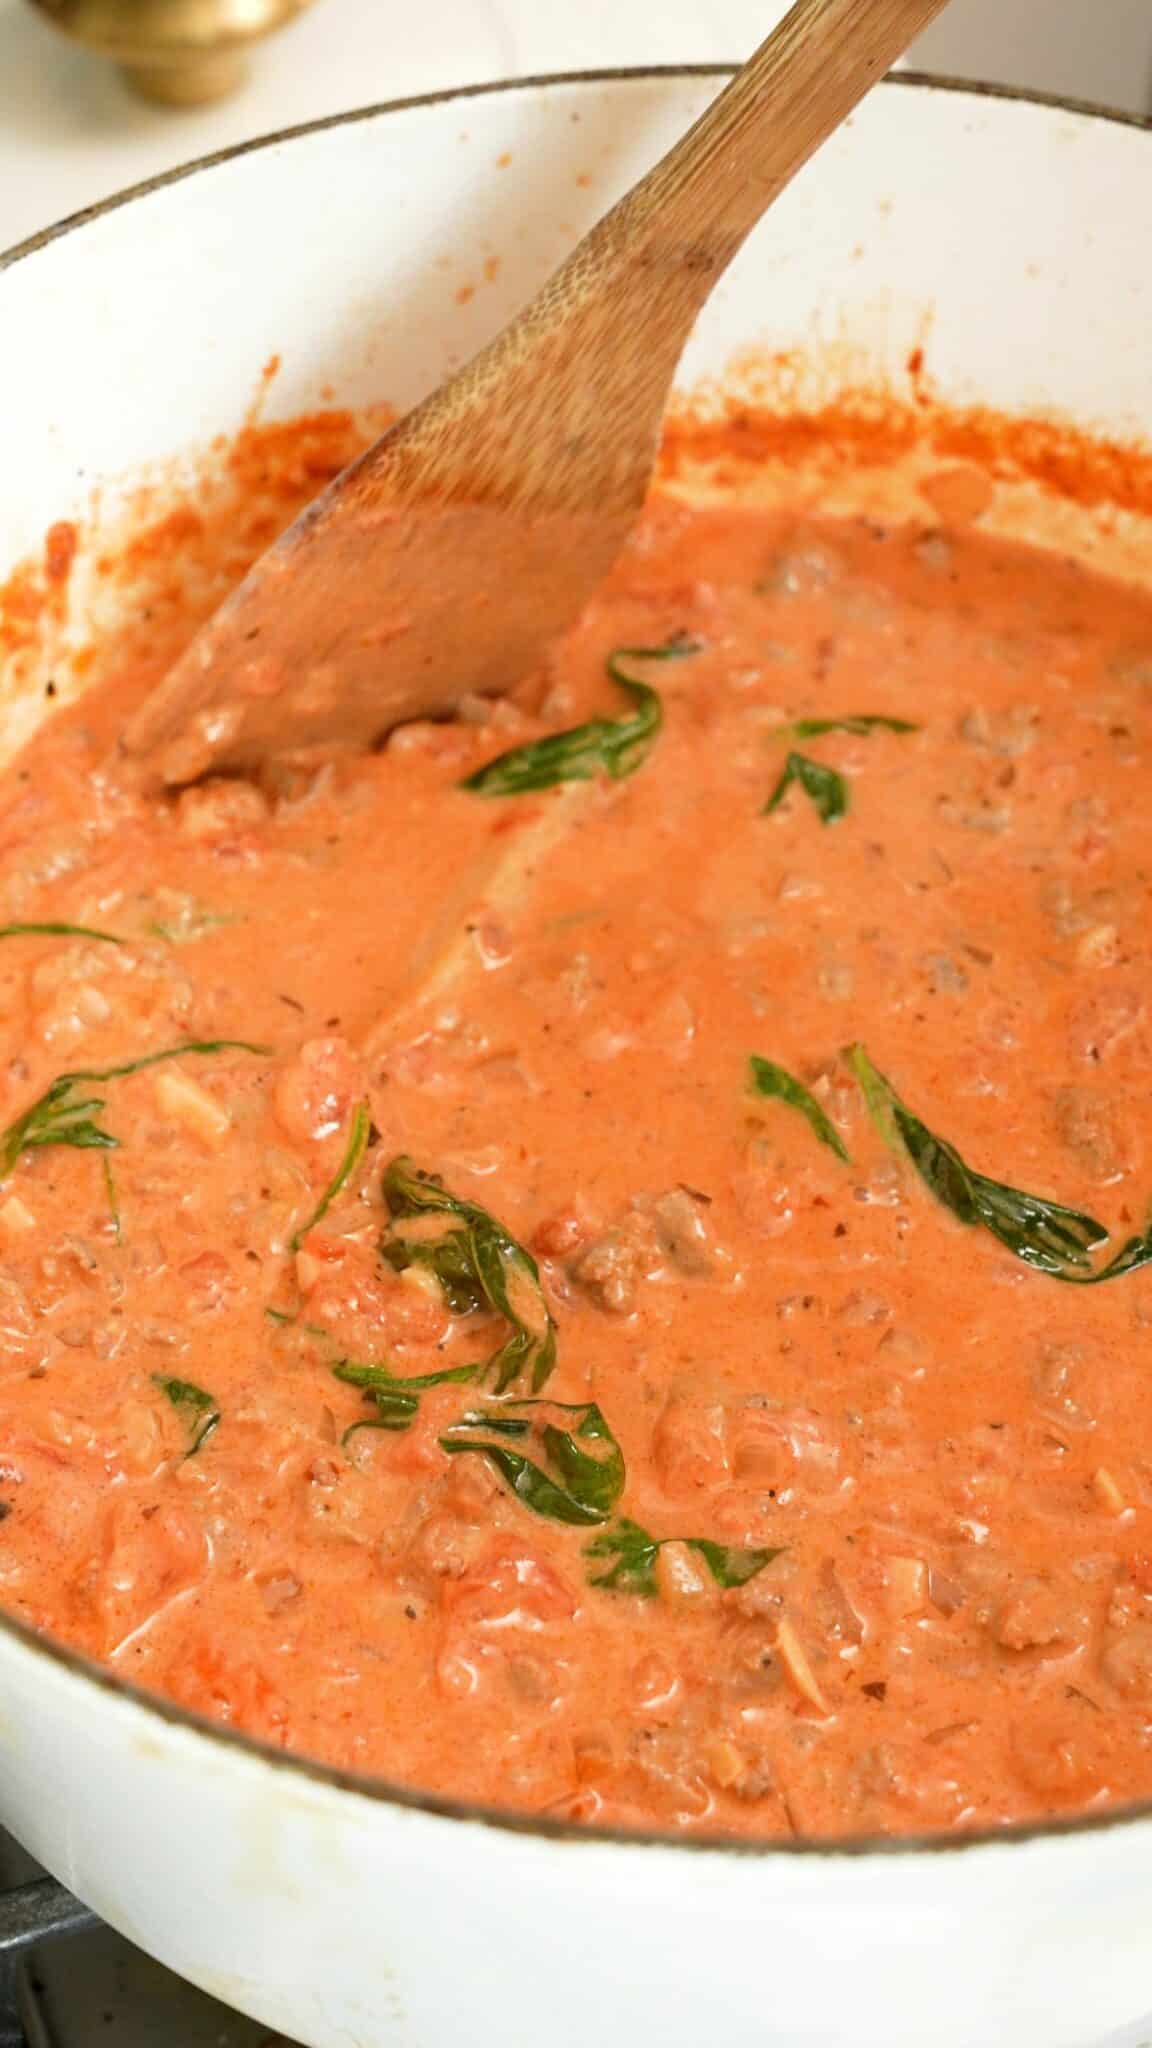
1089	49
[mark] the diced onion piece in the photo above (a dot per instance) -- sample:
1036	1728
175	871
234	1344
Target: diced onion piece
91	1004
421	1280
794	1658
1107	1492
1099	947
725	1762
16	1217
683	1578
906	1584
184	1102
309	1270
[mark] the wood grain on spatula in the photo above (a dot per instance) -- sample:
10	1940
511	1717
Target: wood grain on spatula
462	542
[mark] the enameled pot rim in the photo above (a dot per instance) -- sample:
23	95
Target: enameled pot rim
611	75
378	1790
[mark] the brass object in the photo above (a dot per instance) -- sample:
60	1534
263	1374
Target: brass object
177	53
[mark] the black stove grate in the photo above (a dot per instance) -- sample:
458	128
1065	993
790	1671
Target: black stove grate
97	1990
42	1911
39	1912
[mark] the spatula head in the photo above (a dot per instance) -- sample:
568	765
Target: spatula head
460	545
372	609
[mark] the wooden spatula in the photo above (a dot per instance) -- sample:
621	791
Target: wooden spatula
445	559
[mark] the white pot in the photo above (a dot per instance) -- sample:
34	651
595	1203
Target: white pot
354	1918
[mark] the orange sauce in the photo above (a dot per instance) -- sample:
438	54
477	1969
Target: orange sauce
550	1001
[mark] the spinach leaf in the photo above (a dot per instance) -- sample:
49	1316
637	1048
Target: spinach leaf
634	1552
359	1132
1045	1235
610	746
376	1379
394	1411
827	790
572	1483
479	1264
63	1115
58	931
395	1398
202	1417
1134	1253
861	725
449	1257
771	1080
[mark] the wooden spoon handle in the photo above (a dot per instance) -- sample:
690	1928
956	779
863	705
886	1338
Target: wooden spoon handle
465	538
815	67
583	373
681	226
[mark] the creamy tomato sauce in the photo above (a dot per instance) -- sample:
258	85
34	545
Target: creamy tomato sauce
875	1493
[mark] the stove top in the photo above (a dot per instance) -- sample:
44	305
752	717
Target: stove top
66	1981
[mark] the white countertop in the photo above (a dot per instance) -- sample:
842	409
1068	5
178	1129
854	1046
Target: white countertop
70	132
